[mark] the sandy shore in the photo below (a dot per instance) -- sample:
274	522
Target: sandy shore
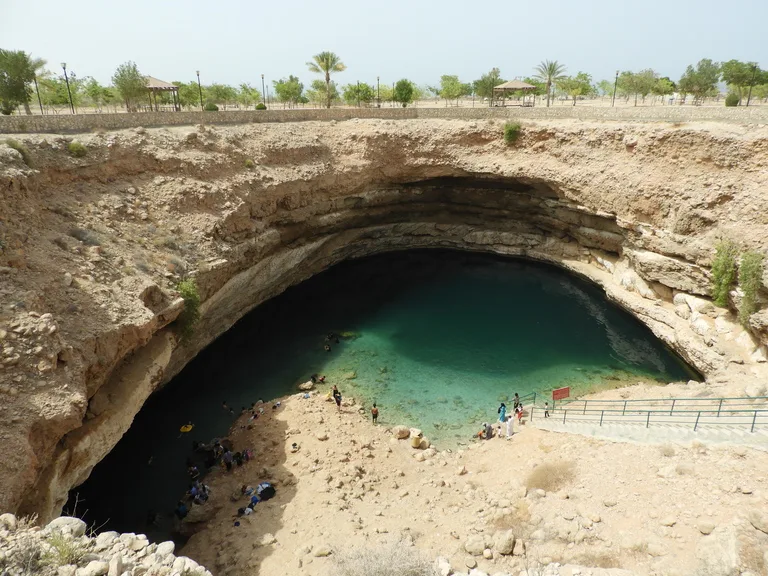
565	498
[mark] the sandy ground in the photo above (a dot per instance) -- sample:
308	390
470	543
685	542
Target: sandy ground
566	498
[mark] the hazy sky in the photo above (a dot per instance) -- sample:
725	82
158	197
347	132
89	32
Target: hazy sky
236	41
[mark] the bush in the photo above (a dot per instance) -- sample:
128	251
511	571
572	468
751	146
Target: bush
21	149
249	163
750	280
732	99
550	477
77	150
392	560
85	236
261	106
511	132
64	550
723	271
211	107
191	314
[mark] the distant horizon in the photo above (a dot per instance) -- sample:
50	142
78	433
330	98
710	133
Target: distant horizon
170	41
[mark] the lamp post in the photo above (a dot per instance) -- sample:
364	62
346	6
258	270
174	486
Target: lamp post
263	91
39	101
199	89
751	82
615	84
378	94
66	79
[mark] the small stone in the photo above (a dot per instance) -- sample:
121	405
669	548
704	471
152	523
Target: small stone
321	552
115	565
609	502
461	471
487	554
470	563
668	521
94	568
65	523
322	436
706	527
67	279
165	548
8	521
401	432
268	539
68	570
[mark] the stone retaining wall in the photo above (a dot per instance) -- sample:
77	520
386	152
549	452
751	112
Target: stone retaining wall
90	122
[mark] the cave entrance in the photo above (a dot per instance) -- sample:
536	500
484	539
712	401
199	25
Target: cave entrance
437	338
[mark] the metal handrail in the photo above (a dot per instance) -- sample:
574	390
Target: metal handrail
751	416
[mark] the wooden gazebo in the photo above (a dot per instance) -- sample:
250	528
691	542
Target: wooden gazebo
154	86
500	93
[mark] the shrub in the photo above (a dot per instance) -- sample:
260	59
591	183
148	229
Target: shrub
550	476
392	560
511	132
64	550
211	107
21	149
77	150
249	163
85	236
191	314
732	99
723	271
261	106
750	280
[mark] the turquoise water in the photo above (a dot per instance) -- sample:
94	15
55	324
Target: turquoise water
436	338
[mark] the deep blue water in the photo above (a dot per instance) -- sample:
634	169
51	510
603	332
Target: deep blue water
436	338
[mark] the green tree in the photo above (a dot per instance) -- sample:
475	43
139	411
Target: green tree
483	87
358	93
663	87
288	90
17	74
189	95
723	271
131	84
549	72
451	88
386	93
322	93
605	87
576	86
741	75
326	63
404	92
700	81
222	94
645	80
750	281
248	96
94	92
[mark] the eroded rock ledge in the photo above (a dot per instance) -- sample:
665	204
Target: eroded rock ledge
92	247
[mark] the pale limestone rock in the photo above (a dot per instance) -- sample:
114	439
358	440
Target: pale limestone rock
504	542
115	565
415	442
401	432
718	554
706	527
306	386
322	436
165	548
475	545
94	568
75	526
8	521
759	519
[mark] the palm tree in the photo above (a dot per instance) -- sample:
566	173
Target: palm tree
549	72
21	70
326	63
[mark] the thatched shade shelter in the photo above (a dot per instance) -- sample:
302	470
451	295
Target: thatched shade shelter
154	86
502	90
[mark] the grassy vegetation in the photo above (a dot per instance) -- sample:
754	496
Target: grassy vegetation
511	132
723	271
191	314
249	163
21	149
85	236
550	477
750	280
77	150
63	550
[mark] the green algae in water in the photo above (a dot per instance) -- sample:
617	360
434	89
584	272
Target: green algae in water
457	333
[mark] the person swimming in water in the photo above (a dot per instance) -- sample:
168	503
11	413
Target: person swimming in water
327	348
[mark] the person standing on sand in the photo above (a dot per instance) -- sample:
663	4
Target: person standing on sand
374	413
337	397
502	411
516	402
510	426
546	409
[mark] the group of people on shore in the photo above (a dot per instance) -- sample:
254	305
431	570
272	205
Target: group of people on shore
487	431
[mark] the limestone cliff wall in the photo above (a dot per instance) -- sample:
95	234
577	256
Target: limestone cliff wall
92	247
